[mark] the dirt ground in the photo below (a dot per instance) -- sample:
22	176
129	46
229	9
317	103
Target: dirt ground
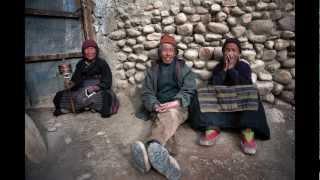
86	146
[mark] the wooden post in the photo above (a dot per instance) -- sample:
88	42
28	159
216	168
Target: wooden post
87	21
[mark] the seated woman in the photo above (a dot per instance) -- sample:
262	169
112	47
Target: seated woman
229	72
89	87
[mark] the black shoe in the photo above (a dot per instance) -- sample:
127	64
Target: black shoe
57	112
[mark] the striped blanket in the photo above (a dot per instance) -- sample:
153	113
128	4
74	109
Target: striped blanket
228	98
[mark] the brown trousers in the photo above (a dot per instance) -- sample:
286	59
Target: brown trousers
166	124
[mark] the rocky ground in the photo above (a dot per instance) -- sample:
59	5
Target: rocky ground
86	146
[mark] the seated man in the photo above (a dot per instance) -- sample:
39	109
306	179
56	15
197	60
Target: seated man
229	72
93	77
167	91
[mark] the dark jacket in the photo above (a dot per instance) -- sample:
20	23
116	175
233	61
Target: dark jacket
239	75
185	79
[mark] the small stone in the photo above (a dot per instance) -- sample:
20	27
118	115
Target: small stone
84	176
264	76
260	27
207	3
287	96
246	46
213	37
199	38
199	64
189	64
202	74
140	67
169	29
277	88
287	34
280	44
249	55
269	55
153	54
138	48
256	38
236	11
290	63
212	64
157	28
180	18
174	10
246	18
289	7
148	29
129	65
155	19
282	76
272	66
195	18
232	21
122	57
188	10
133	32
238	30
201	10
275	115
200	28
130	73
122	74
206	53
217	53
165	13
131	42
139	76
268	98
100	133
287	23
218	28
261	6
185	29
196	2
142	58
191	54
154	37
269	44
57	125
117	35
193	46
257	66
205	18
264	87
254	78
121	43
256	15
291	86
132	57
182	46
293	72
151	44
157	4
68	140
168	20
214	43
248	9
141	39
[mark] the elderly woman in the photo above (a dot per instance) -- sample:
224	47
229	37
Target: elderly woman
89	87
230	72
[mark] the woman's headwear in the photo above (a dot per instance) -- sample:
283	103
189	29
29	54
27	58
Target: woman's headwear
231	40
89	43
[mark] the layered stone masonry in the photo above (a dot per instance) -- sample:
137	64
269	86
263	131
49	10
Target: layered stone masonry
266	33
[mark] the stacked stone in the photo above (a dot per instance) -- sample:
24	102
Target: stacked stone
266	33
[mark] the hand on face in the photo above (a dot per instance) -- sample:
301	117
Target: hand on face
231	56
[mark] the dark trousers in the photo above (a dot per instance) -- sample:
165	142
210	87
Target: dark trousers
256	120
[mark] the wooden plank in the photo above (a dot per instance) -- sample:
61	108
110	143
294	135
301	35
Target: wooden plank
52	57
87	10
48	13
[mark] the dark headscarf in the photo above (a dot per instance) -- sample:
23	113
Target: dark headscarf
231	40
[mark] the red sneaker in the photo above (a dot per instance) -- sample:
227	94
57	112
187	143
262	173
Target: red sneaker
209	137
248	147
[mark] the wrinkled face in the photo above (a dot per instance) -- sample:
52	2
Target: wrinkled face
90	53
232	51
167	53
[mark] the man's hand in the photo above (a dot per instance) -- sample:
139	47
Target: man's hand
230	61
164	107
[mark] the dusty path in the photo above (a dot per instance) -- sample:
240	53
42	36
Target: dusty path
86	146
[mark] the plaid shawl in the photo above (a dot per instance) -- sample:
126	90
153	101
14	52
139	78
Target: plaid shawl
228	98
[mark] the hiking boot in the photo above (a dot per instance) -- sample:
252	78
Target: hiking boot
161	160
140	157
209	137
248	144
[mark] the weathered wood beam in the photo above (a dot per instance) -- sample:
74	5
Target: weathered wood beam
87	7
48	13
52	57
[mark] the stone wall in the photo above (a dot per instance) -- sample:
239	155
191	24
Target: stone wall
266	30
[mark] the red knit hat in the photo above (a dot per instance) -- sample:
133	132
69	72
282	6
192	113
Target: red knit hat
166	38
89	43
